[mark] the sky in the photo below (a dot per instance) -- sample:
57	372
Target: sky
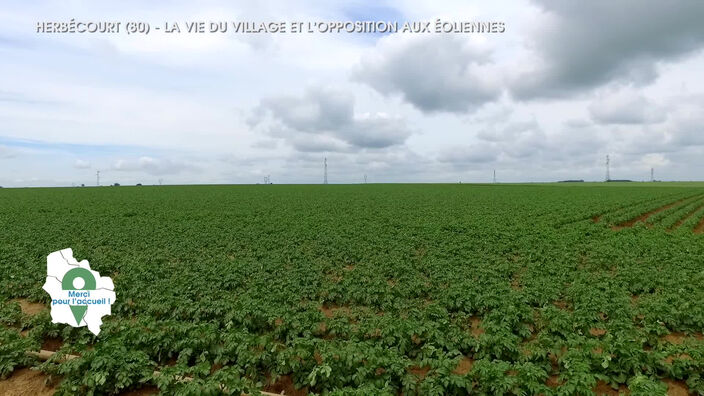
565	85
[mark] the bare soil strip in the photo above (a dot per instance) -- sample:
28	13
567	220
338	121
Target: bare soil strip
685	218
30	308
26	382
676	388
597	218
644	216
464	366
700	227
602	388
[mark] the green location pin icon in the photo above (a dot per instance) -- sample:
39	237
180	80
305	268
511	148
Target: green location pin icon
67	283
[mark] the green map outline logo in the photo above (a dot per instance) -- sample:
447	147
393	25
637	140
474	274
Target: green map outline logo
89	283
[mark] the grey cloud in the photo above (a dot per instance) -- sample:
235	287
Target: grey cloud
265	144
626	108
590	43
7	152
507	131
469	154
636	140
688	130
319	109
577	123
523	143
376	131
527	145
516	139
682	130
317	144
580	145
153	166
324	120
435	74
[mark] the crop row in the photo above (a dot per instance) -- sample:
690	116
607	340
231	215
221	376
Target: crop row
633	213
609	205
675	211
694	222
680	214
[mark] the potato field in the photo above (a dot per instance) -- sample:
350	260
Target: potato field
398	289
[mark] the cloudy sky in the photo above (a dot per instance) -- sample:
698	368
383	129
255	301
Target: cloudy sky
566	84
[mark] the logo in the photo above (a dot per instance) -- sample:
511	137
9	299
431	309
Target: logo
79	296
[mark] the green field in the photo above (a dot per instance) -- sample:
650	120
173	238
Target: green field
366	289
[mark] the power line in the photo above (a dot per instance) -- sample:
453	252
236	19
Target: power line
494	175
325	168
97	176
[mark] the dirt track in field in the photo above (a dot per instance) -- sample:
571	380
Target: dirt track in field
699	229
682	220
645	216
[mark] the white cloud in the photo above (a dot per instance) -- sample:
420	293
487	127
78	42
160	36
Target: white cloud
81	164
